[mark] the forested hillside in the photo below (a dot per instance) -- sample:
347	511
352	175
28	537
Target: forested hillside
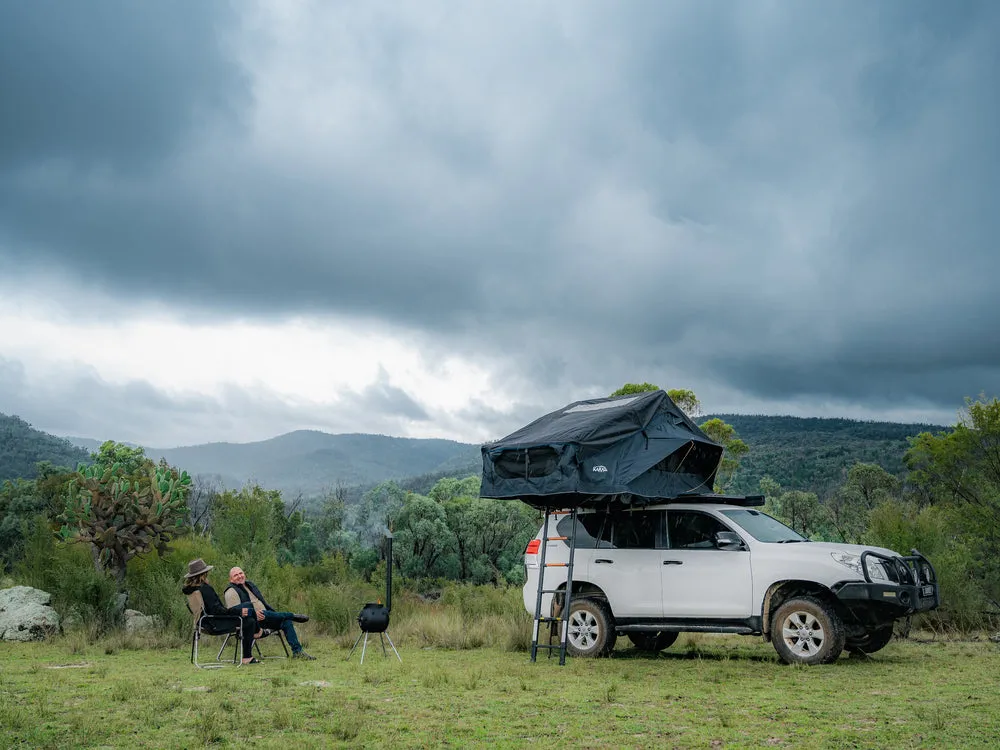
799	453
22	447
814	454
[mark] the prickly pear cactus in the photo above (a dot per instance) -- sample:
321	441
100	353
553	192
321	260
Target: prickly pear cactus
124	516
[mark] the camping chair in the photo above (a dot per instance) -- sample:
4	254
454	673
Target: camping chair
227	626
206	624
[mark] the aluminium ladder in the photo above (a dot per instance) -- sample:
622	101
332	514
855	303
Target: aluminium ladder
563	615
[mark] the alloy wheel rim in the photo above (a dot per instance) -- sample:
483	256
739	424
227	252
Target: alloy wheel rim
803	633
583	630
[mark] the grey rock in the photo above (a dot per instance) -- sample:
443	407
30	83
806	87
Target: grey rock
137	622
25	614
18	596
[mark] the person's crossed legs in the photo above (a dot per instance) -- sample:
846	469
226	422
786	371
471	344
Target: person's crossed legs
272	620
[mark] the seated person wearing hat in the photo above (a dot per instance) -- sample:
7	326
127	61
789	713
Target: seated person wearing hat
242	592
197	580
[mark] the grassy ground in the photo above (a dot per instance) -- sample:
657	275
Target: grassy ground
707	691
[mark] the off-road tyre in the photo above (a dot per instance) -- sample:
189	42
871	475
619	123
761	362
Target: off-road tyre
591	628
653	642
807	630
870	642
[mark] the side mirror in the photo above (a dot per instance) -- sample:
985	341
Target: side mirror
728	540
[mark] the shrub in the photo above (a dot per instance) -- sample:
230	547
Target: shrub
82	596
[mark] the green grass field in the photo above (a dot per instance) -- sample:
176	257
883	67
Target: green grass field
705	692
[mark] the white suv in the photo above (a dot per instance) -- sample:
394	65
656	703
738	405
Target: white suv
656	571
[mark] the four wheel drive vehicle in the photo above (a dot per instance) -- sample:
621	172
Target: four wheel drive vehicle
653	572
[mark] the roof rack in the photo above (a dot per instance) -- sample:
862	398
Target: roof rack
748	501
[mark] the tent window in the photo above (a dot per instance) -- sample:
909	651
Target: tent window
526	462
690	458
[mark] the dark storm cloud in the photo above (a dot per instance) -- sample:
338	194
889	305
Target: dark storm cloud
789	201
110	84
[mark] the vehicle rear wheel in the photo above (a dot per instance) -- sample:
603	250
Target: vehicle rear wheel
806	630
870	642
591	628
653	641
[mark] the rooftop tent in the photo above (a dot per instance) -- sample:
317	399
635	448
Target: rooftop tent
628	449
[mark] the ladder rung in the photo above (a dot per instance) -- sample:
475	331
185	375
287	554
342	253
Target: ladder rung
570	539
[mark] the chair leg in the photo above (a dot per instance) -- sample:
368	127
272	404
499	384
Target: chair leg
195	642
218	657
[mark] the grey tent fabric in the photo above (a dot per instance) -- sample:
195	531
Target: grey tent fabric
628	449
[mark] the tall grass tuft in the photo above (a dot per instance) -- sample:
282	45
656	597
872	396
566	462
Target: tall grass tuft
350	724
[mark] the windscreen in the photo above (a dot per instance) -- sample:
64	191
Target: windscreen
762	527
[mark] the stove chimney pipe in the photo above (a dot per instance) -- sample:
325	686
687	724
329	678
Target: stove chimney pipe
388	571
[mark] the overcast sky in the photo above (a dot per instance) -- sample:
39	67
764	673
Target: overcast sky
225	221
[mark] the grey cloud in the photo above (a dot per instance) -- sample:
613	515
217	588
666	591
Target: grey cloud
383	398
792	202
111	83
76	401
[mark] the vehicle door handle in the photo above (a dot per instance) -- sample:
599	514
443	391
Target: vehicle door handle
604	560
673	562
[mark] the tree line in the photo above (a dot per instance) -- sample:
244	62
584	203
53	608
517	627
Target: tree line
123	506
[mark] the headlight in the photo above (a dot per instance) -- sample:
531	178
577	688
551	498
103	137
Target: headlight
848	560
875	570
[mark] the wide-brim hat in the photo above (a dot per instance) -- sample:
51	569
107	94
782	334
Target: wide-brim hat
197	567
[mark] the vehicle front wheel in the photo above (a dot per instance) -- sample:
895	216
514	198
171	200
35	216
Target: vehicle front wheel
806	630
653	641
870	642
591	628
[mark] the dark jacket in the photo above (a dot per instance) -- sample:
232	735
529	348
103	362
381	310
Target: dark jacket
245	596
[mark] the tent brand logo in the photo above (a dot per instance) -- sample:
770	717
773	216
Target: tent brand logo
600	469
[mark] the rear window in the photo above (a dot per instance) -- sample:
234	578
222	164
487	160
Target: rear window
623	530
592	530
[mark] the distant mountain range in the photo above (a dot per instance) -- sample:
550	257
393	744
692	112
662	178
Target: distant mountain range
799	453
310	462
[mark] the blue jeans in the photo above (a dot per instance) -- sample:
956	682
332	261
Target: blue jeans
282	621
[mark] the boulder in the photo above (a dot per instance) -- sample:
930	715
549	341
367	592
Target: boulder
25	614
137	622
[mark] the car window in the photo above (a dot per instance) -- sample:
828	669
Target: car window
762	527
635	529
692	529
592	530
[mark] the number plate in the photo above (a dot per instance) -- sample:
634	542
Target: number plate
926	591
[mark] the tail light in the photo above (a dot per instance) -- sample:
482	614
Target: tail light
532	548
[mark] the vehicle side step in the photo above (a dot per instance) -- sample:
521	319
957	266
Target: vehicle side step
650	627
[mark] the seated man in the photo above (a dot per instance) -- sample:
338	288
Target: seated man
242	591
